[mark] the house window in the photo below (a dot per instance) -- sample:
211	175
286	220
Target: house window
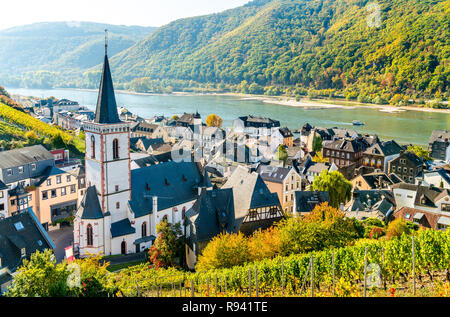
20	169
33	167
23	252
93	146
63	191
89	234
53	193
9	172
115	149
117	188
72	189
68	178
44	195
144	229
2	207
1	194
58	179
183	212
117	205
49	182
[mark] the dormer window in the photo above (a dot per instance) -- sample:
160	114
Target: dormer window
23	252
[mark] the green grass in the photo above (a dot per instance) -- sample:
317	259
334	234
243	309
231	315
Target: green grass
117	267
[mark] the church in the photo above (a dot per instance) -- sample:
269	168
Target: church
122	207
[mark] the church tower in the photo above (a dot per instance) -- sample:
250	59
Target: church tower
108	151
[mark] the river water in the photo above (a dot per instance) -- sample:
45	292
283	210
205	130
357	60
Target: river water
405	127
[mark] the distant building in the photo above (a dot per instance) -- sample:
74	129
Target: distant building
380	154
255	126
438	178
425	198
345	152
282	136
425	219
4	204
365	204
439	145
372	181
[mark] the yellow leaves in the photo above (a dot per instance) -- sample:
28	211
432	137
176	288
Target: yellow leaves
214	120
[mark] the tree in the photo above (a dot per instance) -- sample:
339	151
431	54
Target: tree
281	154
264	244
168	245
400	226
31	137
175	117
420	152
214	121
335	184
317	144
318	158
224	251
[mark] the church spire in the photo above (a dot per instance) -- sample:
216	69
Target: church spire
106	111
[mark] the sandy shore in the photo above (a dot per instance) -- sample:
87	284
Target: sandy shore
291	102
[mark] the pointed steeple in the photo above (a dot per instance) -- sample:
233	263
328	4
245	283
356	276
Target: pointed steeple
106	104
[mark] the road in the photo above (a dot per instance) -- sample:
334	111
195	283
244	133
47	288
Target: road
62	238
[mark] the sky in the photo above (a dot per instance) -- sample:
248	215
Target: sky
122	12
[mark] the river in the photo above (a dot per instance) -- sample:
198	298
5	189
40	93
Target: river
405	127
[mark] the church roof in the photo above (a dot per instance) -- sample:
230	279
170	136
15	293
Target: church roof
106	104
90	205
122	228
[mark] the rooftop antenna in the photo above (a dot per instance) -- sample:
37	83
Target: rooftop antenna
106	41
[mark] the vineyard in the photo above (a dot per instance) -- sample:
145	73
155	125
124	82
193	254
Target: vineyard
378	267
9	132
19	120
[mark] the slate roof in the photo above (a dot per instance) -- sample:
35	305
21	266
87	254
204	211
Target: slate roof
122	228
363	200
272	174
432	219
106	111
349	145
387	148
212	214
49	171
286	133
306	201
252	121
440	136
90	205
431	194
373	180
249	192
32	237
3	186
23	156
173	183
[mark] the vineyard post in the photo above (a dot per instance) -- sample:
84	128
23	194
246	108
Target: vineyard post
225	282
249	283
256	281
334	292
153	289
181	294
413	267
173	288
192	289
312	275
365	272
282	277
383	272
207	286
216	286
137	289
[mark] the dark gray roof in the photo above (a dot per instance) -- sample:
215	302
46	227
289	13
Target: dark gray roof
306	201
440	136
364	199
350	145
3	186
90	206
122	228
212	214
173	183
253	121
373	180
387	148
49	171
106	111
32	237
23	156
286	133
272	174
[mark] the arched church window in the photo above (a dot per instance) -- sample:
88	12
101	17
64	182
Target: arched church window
183	212
90	235
144	229
93	146
115	149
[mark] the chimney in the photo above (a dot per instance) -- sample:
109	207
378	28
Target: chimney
154	215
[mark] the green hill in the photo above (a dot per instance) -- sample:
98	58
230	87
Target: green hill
318	44
53	54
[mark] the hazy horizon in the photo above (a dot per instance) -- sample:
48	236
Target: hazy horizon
150	13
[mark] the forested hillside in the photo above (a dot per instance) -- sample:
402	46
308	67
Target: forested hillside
52	54
320	44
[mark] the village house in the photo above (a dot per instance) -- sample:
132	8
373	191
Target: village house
256	207
407	166
380	154
372	181
439	145
4	203
425	219
364	204
345	152
438	178
21	236
433	199
306	201
282	136
255	126
283	181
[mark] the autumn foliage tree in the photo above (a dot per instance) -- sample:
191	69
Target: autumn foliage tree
264	244
168	245
335	184
214	120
